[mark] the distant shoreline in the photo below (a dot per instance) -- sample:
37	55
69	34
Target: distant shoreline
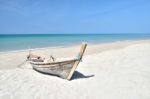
22	42
41	48
66	46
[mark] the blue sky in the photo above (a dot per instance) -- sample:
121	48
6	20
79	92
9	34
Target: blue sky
74	16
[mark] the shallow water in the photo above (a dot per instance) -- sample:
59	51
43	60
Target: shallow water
24	41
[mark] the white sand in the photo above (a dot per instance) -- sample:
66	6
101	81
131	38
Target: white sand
118	72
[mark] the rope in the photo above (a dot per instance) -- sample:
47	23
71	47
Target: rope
78	57
19	66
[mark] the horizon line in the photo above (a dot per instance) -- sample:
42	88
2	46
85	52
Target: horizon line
68	33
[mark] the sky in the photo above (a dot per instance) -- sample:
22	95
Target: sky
74	16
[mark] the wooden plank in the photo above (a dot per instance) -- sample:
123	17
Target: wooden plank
82	50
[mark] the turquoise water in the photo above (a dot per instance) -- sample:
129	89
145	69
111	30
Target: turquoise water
25	41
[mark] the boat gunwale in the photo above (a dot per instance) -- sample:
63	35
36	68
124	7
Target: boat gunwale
52	63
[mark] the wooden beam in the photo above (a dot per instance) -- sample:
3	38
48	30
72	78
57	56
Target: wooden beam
82	50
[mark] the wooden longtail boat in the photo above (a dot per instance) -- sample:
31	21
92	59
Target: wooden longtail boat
63	69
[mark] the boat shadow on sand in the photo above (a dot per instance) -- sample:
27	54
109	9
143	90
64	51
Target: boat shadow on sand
78	75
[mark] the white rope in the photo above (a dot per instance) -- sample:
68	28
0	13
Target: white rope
20	65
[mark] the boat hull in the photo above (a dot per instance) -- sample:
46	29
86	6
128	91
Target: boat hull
61	69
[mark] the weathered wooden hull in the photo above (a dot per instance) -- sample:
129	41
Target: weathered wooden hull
64	69
61	69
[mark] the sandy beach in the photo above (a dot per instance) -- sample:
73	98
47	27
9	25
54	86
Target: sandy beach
119	70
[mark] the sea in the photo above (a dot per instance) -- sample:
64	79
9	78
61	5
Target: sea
15	42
